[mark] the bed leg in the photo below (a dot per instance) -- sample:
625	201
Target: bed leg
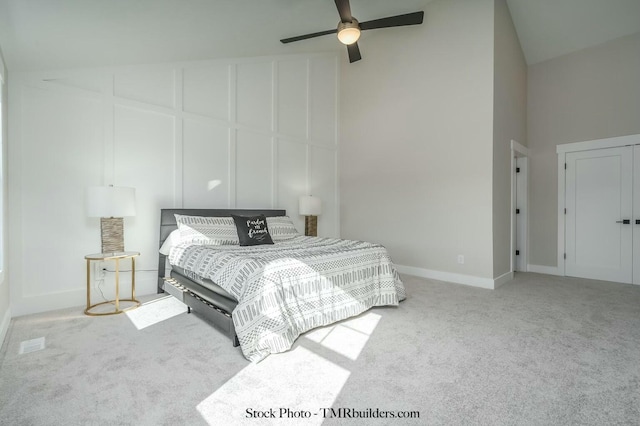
236	342
188	309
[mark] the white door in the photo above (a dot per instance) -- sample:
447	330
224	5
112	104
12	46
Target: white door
635	221
599	185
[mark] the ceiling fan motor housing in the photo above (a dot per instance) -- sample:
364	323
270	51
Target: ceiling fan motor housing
349	32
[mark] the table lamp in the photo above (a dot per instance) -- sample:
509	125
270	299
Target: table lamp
111	204
310	207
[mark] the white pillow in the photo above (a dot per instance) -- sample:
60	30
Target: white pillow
207	230
172	240
281	228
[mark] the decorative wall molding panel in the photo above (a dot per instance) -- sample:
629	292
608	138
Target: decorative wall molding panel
246	133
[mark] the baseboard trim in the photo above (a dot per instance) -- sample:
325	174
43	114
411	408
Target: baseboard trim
4	326
33	304
502	279
541	269
471	280
27	305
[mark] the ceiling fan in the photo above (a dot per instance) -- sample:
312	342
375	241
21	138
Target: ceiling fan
349	28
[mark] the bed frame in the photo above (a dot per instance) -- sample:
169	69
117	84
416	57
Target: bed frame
216	306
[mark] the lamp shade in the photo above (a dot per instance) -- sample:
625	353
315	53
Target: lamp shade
111	201
309	206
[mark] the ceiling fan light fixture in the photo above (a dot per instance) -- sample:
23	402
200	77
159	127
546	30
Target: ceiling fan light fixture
349	28
349	32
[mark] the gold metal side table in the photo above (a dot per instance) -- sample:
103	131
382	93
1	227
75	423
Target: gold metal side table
117	257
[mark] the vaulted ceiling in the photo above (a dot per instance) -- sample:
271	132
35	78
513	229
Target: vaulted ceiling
551	28
51	34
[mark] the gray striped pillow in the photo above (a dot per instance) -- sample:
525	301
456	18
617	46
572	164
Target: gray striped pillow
281	228
214	231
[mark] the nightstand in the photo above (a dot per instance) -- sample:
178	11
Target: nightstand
116	257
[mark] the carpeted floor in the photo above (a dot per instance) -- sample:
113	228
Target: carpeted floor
540	350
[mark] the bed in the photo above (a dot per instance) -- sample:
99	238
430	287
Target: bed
264	296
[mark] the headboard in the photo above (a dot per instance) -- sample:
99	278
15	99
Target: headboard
168	224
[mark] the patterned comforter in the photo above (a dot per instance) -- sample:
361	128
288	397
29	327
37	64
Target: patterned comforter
293	286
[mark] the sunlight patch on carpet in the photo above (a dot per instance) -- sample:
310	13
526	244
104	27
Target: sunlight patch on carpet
298	380
348	338
156	311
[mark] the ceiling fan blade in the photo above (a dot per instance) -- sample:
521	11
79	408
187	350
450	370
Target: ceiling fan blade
414	18
344	9
354	52
306	36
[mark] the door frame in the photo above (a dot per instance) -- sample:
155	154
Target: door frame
519	151
562	151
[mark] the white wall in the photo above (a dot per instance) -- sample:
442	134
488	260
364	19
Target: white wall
5	311
417	142
509	123
590	94
265	128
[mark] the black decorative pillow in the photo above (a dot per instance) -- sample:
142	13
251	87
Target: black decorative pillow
252	230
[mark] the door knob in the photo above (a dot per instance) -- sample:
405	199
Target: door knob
627	221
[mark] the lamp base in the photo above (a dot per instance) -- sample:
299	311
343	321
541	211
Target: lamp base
311	226
112	233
